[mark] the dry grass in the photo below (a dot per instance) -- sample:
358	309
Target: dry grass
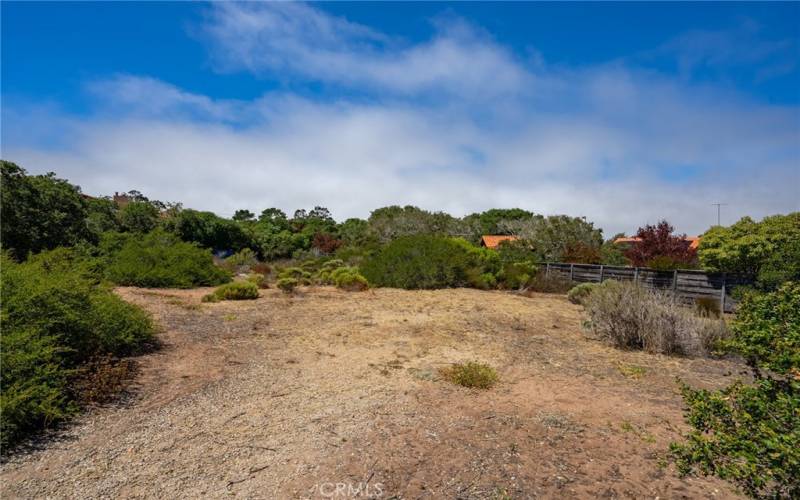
270	397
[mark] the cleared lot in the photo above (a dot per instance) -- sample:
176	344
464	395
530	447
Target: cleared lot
284	397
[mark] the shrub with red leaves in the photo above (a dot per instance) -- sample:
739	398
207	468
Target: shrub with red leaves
326	243
658	246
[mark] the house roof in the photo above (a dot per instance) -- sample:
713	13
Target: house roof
494	240
694	241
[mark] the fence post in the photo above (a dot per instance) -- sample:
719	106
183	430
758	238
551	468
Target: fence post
601	273
722	294
571	272
675	281
636	274
547	269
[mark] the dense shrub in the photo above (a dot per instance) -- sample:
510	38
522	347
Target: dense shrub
258	280
348	278
238	290
516	275
579	293
471	374
629	316
750	434
769	249
241	261
414	262
56	316
287	284
160	259
298	274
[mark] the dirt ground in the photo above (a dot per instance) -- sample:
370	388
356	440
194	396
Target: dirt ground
330	394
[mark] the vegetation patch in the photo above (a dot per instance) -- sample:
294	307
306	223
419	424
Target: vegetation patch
629	316
750	433
159	260
471	374
238	290
56	318
287	285
579	293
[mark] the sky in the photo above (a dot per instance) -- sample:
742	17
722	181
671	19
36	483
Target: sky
625	113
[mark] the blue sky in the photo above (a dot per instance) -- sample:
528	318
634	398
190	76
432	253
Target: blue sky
624	113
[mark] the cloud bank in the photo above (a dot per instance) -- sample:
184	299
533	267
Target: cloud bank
455	123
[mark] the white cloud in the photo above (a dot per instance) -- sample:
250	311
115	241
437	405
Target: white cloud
606	142
281	37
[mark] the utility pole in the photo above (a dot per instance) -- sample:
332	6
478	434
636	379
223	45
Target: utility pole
718	205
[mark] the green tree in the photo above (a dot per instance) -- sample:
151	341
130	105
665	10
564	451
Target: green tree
551	237
209	231
39	211
769	249
244	215
138	217
389	223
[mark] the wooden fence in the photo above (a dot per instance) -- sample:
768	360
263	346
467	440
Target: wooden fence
689	285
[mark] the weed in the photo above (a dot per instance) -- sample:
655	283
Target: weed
471	374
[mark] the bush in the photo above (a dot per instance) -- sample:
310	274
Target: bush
578	293
287	284
426	262
767	329
516	275
161	260
56	317
471	374
258	280
241	261
348	278
238	290
302	276
750	434
629	316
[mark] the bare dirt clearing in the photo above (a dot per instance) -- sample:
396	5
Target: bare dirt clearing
277	397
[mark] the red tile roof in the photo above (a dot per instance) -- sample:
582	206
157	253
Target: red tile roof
493	241
694	241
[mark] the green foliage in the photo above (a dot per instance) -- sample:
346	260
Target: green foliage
258	280
348	278
580	292
287	284
550	237
769	249
612	254
494	221
750	434
160	260
138	217
209	231
302	276
39	212
471	374
56	316
241	261
746	434
766	330
425	261
237	290
553	282
389	223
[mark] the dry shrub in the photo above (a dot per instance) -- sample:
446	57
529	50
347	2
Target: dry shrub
471	374
632	317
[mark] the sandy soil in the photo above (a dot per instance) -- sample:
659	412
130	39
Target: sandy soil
329	394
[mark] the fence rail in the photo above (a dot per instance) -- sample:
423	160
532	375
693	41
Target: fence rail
688	285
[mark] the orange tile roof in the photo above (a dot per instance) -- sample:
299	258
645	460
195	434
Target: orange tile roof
694	241
493	241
